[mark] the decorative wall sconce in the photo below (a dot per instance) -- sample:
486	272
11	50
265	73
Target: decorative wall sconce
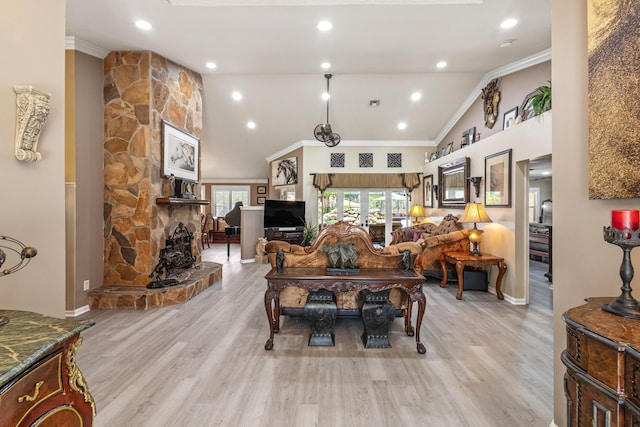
475	180
32	110
24	252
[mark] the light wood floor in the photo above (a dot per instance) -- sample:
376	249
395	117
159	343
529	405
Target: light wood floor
203	363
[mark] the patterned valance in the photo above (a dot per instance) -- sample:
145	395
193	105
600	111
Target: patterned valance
410	180
322	181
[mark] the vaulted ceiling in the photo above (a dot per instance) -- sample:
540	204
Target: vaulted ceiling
270	51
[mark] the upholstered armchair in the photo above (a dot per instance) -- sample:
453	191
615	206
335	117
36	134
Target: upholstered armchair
434	239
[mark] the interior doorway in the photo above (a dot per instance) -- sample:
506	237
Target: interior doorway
540	217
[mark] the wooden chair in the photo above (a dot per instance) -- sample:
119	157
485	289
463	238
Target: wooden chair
206	227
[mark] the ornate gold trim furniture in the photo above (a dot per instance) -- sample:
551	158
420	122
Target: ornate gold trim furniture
602	381
296	271
40	383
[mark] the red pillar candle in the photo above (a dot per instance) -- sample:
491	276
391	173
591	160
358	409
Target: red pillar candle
625	219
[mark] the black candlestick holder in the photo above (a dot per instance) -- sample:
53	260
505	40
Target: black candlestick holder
625	305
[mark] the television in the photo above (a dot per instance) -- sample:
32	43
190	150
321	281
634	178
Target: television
283	214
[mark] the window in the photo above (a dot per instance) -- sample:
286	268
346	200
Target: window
224	198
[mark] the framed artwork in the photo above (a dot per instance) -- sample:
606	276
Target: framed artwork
497	179
180	153
365	160
509	118
261	200
443	152
262	189
450	148
337	160
434	156
427	187
526	109
469	135
284	172
394	160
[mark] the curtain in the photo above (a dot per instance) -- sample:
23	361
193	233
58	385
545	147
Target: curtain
322	181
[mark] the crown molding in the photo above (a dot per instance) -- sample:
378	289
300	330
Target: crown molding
72	43
524	63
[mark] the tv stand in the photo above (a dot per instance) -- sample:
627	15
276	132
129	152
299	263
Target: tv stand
292	235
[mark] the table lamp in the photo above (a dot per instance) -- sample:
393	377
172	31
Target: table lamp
416	211
475	213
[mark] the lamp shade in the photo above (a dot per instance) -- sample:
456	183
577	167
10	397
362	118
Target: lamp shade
416	210
474	212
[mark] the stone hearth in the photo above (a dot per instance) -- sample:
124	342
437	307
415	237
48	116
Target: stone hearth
132	297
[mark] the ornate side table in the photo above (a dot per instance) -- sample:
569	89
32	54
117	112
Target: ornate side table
462	259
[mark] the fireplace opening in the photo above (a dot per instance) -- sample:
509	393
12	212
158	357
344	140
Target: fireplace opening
174	258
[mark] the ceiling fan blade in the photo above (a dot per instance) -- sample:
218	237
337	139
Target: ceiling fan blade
320	133
333	140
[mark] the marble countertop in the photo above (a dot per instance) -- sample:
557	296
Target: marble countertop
29	336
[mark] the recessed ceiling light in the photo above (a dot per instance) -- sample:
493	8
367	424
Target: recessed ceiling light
325	96
416	96
509	23
506	43
325	65
374	103
325	25
251	124
211	65
441	64
236	96
402	125
546	173
143	25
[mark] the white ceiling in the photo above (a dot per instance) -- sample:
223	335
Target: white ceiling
271	52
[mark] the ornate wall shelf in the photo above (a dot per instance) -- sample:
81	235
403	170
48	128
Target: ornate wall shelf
180	201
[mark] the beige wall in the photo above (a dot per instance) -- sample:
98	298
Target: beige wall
584	265
505	236
513	88
89	185
34	197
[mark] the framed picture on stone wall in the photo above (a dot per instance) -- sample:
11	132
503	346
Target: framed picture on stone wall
180	153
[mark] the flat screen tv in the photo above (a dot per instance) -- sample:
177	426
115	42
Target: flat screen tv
283	213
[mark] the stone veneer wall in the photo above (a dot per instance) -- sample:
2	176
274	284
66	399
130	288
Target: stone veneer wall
141	89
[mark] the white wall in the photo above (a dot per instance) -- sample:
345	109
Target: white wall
317	159
527	140
33	195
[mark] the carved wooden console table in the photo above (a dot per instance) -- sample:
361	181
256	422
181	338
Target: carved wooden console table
40	383
317	278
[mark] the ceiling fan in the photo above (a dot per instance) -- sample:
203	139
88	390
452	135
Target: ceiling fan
323	132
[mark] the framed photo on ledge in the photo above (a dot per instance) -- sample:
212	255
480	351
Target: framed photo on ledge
262	189
180	153
509	118
497	179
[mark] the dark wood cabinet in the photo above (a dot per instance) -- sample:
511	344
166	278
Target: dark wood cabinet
40	383
293	237
602	381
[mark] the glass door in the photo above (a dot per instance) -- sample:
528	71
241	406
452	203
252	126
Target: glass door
378	211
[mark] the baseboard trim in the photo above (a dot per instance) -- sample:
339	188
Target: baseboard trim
77	312
247	261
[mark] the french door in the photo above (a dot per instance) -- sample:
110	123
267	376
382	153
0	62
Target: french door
378	211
